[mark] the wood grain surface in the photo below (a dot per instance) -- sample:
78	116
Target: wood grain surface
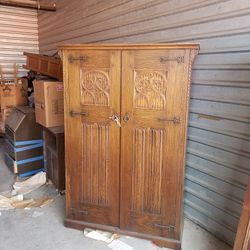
127	175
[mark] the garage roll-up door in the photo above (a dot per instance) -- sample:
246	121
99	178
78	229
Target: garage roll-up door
18	33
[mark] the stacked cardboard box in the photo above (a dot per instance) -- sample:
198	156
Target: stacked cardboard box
12	94
49	103
49	109
4	114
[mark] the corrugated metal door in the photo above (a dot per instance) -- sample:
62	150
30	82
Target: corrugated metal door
18	33
218	152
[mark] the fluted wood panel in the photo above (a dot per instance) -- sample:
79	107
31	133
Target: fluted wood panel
95	164
218	156
147	170
18	33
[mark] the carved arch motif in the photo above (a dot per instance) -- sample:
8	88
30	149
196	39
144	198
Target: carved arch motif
95	87
150	89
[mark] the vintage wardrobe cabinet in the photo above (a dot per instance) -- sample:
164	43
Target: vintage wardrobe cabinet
126	111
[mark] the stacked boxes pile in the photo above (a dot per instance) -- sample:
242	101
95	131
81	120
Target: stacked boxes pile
49	109
12	94
49	103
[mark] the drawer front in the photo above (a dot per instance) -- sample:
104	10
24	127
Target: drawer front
9	148
55	168
24	166
24	152
9	133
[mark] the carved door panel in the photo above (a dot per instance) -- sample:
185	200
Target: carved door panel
93	140
154	105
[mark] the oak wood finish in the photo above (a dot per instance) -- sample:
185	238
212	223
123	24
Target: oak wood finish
47	65
242	241
160	241
152	147
127	179
128	46
92	142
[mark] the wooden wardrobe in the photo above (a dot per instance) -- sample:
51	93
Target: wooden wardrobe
242	240
126	115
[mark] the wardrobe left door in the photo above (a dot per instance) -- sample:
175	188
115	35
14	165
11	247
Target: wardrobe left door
92	135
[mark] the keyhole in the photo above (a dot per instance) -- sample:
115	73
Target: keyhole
126	117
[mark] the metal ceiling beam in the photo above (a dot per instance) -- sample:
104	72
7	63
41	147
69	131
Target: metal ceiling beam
34	5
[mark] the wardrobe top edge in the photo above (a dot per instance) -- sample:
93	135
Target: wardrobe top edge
130	46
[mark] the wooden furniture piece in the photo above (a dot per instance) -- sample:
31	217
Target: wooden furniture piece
242	241
126	114
24	144
54	155
46	65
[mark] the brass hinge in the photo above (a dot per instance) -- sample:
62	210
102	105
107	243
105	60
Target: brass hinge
73	113
170	228
178	59
80	58
75	210
175	120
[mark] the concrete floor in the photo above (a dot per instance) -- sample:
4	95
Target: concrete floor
21	230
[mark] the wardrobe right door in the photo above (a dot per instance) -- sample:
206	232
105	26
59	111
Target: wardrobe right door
154	118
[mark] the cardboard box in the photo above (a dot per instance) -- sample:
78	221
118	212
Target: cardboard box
49	103
3	115
2	124
6	112
12	95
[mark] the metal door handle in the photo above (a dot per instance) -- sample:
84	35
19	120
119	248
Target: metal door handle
175	119
73	113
